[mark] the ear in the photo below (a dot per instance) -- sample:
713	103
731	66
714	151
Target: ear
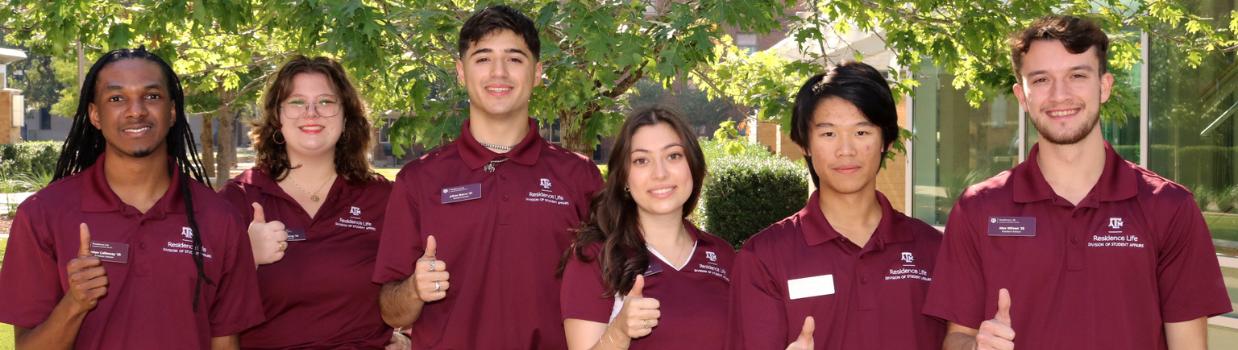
1106	86
1022	96
94	115
537	76
460	72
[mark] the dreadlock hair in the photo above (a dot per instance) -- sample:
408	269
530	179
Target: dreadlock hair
614	219
85	142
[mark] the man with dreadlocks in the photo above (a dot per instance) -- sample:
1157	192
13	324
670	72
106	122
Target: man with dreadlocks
122	250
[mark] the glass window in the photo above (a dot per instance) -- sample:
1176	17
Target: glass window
956	145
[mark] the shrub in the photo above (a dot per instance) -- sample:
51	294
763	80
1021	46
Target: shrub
745	194
29	158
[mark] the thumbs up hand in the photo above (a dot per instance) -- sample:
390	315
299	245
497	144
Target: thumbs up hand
267	239
87	277
997	332
430	274
804	342
639	315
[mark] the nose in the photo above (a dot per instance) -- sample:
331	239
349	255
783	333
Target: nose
136	108
311	111
499	70
1059	91
846	146
660	169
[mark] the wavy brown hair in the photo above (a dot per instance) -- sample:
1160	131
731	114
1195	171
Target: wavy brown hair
1076	34
613	217
356	140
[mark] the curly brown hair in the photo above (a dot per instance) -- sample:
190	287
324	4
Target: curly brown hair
1077	34
354	144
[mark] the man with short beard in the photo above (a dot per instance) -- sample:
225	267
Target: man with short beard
1075	248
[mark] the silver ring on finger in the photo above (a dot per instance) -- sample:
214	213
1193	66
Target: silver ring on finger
648	325
436	286
431	265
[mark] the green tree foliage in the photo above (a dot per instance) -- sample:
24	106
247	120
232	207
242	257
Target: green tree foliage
402	52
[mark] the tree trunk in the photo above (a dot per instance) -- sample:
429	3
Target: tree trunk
208	145
226	156
572	136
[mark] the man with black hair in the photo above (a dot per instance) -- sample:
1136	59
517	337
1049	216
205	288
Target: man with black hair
848	267
1075	248
123	250
475	229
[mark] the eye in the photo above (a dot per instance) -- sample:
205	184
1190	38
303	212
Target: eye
483	59
153	96
675	156
828	134
1039	80
640	161
295	103
327	102
516	60
861	133
115	99
1079	76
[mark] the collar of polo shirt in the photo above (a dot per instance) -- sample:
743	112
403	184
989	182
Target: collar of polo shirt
817	229
476	156
100	198
1118	181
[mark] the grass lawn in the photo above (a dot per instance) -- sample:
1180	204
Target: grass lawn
389	173
1223	226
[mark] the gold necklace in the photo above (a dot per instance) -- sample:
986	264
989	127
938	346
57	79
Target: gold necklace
314	195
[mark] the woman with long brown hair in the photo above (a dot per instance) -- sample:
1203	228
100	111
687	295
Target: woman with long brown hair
639	274
315	207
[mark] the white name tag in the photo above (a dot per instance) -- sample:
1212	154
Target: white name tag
810	286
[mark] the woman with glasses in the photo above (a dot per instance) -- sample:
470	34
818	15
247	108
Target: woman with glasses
314	206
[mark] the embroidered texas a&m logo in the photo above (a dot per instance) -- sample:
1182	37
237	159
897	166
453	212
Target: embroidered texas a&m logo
908	258
187	232
1115	223
355	211
711	256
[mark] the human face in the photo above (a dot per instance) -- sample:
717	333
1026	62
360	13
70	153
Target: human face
133	108
845	148
1062	91
659	178
313	133
499	73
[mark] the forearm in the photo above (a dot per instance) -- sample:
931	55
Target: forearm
400	304
1187	335
227	342
58	331
959	341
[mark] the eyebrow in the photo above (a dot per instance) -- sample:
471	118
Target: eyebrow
1082	67
148	87
664	148
828	124
489	50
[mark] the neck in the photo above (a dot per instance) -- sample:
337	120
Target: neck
139	182
663	230
1072	170
313	170
854	215
499	130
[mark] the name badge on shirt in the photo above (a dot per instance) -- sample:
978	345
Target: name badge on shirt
461	193
1012	226
810	286
110	252
654	268
295	234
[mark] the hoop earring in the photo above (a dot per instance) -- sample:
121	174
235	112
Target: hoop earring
278	138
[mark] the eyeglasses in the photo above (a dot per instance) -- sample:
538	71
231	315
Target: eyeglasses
296	107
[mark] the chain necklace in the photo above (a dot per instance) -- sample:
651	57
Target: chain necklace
314	195
490	166
494	146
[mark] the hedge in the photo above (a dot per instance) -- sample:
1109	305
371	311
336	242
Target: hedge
29	158
745	194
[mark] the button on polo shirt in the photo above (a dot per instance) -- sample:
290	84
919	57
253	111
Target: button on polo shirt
1106	273
501	249
877	290
319	296
149	301
693	299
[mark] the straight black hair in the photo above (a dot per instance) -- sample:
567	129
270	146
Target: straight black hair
492	19
85	142
857	83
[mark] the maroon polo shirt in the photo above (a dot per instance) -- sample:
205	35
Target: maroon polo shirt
149	301
319	296
693	299
1106	273
501	249
780	278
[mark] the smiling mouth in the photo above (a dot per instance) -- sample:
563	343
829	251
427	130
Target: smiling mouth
663	190
496	89
1064	113
137	130
312	128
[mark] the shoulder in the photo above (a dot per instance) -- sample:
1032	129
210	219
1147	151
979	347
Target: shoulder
561	157
998	187
782	233
65	192
376	182
1159	191
919	229
207	203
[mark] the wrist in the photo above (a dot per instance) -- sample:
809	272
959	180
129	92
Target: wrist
617	338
